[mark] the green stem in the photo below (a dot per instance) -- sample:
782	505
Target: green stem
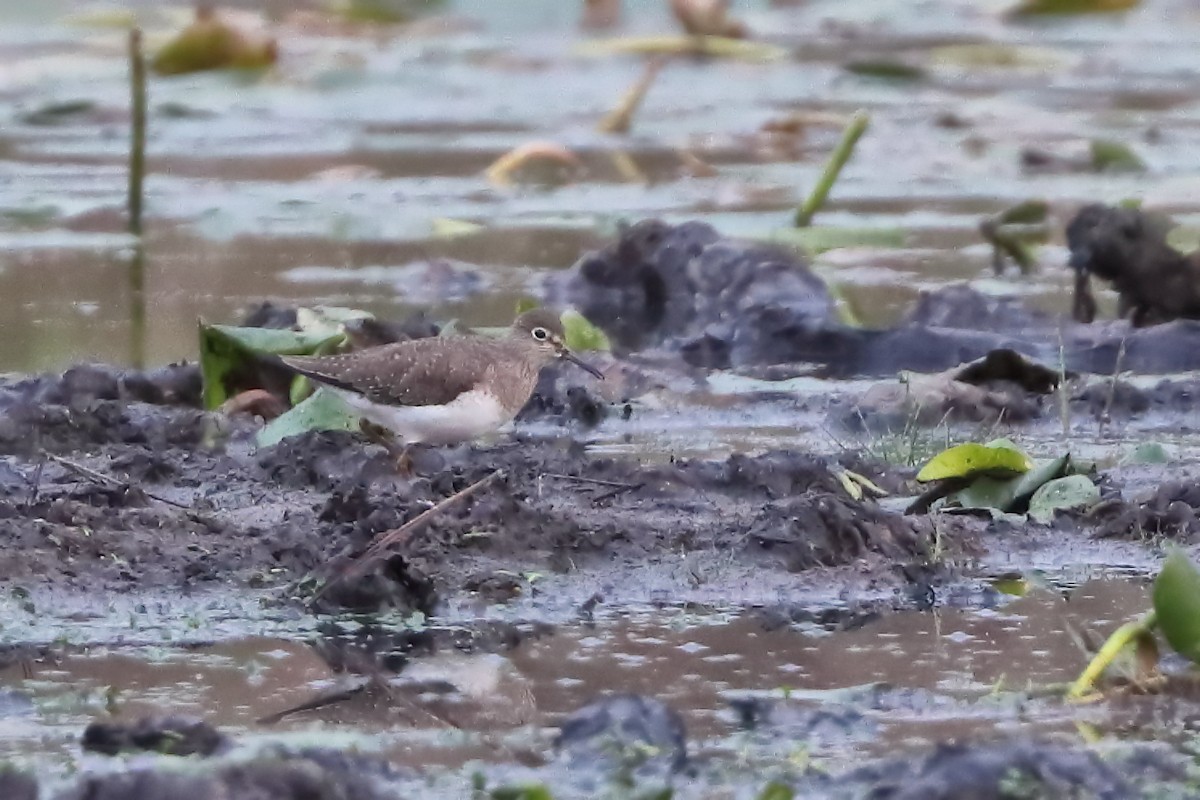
1121	638
841	154
137	129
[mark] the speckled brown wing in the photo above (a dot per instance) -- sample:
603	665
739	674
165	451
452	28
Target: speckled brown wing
418	373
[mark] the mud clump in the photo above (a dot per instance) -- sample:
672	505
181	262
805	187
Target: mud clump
717	301
176	736
621	732
1172	511
1011	769
1128	248
277	775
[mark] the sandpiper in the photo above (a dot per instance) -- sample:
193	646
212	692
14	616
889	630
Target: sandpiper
444	390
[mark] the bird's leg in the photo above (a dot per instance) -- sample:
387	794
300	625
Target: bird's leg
397	450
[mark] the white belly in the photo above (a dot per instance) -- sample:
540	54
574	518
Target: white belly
469	416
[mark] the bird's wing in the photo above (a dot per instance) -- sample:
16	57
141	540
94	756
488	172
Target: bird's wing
418	373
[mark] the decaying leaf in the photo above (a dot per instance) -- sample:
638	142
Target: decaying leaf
211	43
535	162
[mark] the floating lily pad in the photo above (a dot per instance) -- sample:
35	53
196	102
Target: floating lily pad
1177	604
974	459
226	350
1070	492
321	411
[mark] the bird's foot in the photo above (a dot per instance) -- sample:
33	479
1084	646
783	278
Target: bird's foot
397	450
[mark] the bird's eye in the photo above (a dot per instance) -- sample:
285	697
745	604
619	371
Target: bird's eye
541	334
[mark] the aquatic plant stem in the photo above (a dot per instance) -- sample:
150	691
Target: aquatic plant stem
841	154
620	118
137	129
1121	638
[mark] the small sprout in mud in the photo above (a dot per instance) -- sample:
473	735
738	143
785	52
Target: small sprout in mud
211	43
539	163
841	154
1014	231
620	118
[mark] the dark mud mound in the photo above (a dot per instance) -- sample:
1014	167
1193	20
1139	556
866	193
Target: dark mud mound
278	775
175	736
1172	511
93	405
159	496
1128	248
624	731
723	303
719	302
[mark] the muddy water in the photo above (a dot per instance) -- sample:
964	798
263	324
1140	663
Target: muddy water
848	685
323	183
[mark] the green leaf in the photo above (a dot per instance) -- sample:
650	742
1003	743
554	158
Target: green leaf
971	459
1072	6
446	228
1073	491
885	69
1109	156
526	304
532	792
1147	453
776	791
1177	604
226	350
1010	494
582	335
323	411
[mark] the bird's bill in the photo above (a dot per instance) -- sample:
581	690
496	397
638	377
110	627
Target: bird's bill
579	362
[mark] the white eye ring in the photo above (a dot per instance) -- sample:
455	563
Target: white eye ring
541	334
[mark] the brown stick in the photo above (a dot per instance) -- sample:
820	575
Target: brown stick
386	539
111	480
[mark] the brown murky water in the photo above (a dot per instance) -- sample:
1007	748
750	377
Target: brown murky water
887	682
324	183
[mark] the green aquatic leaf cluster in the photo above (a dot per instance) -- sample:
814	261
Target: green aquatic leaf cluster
999	476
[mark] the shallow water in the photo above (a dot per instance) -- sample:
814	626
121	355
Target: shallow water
848	685
320	183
